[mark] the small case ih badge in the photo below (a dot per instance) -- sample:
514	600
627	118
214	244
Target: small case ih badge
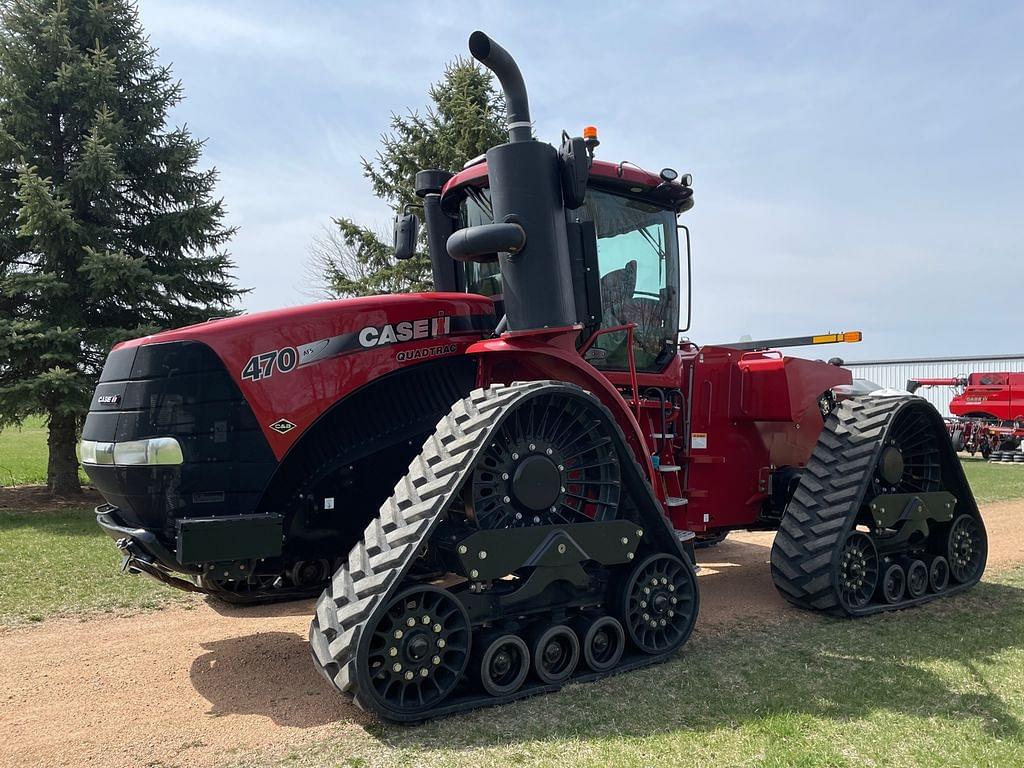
282	426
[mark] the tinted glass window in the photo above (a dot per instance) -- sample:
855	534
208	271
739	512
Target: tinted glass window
638	260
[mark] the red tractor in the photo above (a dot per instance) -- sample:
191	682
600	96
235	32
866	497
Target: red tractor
495	488
988	412
996	397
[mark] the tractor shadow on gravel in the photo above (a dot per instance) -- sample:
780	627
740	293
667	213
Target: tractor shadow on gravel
305	608
836	669
269	674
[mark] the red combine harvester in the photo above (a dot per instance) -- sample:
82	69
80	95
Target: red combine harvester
988	410
496	487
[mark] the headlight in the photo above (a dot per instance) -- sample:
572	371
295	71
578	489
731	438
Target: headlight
152	452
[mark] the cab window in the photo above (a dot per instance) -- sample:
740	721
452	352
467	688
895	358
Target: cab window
638	261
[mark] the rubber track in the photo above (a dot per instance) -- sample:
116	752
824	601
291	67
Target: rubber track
391	542
825	505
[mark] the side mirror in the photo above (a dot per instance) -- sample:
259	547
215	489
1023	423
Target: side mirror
574	165
407	229
684	245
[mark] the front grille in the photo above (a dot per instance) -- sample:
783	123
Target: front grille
177	389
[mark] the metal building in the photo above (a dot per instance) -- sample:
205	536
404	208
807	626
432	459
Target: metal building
894	373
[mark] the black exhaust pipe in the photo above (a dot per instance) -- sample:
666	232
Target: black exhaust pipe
529	229
501	63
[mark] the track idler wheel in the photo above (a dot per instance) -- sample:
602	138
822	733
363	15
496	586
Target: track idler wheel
857	570
968	548
658	603
602	641
894	583
503	665
417	650
938	574
917	578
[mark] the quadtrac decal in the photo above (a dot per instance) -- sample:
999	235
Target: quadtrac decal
287	359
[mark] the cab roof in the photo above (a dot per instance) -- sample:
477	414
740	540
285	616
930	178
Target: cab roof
623	178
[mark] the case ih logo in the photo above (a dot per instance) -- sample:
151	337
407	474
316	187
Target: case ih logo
108	399
409	330
287	359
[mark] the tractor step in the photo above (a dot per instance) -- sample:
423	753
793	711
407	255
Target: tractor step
668	467
675	501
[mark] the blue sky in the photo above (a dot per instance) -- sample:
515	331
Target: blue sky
855	165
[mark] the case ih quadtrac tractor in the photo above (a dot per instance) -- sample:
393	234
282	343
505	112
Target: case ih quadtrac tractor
497	486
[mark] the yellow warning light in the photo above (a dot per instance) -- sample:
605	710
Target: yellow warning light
590	132
837	338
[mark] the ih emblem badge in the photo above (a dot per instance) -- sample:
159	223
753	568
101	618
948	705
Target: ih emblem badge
282	426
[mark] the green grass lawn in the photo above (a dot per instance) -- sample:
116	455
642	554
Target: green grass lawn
942	685
23	453
60	562
994	482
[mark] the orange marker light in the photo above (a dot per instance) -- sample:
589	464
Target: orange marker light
590	132
852	336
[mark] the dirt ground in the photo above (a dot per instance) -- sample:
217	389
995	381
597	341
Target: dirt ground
35	498
197	685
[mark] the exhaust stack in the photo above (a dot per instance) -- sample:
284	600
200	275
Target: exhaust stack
504	67
529	229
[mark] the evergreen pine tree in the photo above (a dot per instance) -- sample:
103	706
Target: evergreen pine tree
108	230
465	118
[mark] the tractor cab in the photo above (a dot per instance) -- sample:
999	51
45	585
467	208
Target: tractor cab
625	253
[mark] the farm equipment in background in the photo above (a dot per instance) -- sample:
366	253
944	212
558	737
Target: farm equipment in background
995	441
495	488
991	397
988	413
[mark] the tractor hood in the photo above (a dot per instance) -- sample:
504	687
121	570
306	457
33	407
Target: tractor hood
291	364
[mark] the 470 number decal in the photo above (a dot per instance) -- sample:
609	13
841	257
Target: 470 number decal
262	366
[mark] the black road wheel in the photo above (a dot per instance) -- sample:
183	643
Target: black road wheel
917	578
552	461
257	588
967	549
659	603
417	650
555	651
894	583
938	574
602	641
503	665
310	573
857	570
